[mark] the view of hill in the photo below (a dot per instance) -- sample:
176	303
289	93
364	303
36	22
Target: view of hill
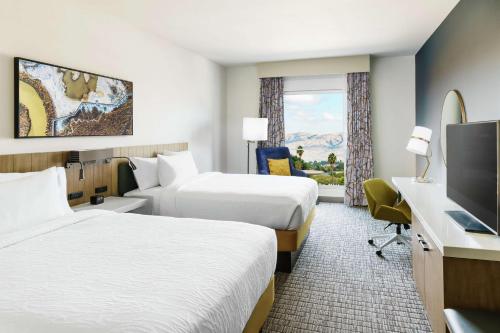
317	147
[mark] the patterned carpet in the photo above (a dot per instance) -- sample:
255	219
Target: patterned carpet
339	284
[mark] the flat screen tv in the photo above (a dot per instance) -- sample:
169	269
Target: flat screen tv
473	169
56	101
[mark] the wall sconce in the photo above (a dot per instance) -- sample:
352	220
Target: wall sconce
74	157
93	156
130	163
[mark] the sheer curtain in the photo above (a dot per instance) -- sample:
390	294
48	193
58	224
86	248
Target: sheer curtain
359	159
271	107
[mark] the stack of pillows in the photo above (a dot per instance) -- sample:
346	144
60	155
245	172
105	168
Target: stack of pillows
169	169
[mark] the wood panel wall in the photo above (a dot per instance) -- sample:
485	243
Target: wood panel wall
96	174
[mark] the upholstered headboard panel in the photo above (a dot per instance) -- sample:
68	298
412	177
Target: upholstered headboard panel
126	180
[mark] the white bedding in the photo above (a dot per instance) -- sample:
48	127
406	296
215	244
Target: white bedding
98	271
274	201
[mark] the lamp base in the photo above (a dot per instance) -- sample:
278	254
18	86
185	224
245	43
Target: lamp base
422	180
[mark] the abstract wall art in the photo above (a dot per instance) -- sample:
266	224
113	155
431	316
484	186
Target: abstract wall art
55	101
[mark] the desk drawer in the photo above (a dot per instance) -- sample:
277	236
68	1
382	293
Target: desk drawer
418	257
428	273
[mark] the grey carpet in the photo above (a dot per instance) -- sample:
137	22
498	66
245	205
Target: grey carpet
339	284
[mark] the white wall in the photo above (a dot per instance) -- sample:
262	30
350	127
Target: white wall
393	115
243	88
178	95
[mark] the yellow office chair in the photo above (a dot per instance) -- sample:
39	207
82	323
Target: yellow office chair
384	205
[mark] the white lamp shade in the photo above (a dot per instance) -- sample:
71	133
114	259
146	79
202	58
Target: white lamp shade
417	146
421	132
420	140
255	129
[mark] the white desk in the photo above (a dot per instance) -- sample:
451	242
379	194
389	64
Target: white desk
452	268
429	202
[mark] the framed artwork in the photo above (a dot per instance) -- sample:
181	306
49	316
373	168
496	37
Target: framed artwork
55	101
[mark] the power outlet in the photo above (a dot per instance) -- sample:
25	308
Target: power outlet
75	195
101	189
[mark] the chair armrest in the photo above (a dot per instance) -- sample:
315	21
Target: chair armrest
263	172
389	213
404	208
298	173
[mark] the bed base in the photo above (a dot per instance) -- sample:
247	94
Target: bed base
286	259
261	310
290	244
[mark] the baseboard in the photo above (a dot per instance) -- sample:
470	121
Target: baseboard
331	199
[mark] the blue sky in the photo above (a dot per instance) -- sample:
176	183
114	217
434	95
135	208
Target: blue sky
317	113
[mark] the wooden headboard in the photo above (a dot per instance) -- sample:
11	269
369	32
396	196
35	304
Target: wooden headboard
96	174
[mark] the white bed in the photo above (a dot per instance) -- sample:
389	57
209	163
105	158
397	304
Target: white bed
282	203
97	271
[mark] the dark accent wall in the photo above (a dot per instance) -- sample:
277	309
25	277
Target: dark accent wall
463	54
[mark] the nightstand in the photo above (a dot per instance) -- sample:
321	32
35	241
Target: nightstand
115	204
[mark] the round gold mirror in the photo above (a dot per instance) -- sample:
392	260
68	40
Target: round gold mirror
453	113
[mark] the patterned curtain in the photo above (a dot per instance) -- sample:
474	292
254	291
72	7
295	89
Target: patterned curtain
271	107
359	159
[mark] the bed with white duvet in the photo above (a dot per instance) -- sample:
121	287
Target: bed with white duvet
281	203
99	271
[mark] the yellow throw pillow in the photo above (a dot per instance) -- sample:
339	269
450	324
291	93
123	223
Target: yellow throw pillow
279	167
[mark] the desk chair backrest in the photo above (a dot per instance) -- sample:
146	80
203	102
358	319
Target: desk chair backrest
379	193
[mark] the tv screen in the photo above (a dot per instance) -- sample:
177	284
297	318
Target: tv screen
472	169
56	101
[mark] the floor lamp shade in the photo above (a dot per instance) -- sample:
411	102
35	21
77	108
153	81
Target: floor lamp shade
255	129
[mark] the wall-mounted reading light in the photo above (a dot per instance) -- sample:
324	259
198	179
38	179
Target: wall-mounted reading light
130	163
93	156
74	157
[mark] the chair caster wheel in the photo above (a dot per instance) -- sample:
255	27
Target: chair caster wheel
370	241
379	253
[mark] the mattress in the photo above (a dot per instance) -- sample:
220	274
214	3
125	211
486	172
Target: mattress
276	202
99	271
152	195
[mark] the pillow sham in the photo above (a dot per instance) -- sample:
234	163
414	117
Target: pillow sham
61	181
279	167
31	200
176	169
146	174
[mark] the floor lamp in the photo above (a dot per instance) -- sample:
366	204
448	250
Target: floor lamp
254	129
420	144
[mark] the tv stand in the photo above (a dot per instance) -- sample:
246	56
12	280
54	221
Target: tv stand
452	268
468	222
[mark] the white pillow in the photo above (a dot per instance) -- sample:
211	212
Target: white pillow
61	181
146	174
176	169
29	201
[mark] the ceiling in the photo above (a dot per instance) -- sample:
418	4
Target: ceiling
236	31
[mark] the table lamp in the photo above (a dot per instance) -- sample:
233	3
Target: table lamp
254	129
420	144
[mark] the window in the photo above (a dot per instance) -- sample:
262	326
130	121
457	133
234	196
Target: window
315	133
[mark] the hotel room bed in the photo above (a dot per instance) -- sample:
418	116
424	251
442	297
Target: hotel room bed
98	271
286	204
281	203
